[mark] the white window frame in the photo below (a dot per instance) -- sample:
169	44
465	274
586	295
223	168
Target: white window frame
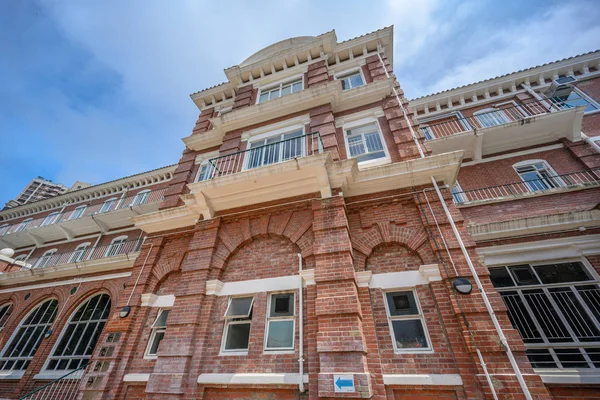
559	182
5	313
236	321
204	164
121	240
489	111
50	219
419	316
155	331
267	135
4	228
140	196
224	110
460	195
269	319
349	72
348	126
82	248
544	287
47	256
52	356
17	330
112	201
280	84
587	98
73	213
23	225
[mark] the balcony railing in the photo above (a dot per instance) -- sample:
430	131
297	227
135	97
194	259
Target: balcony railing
260	156
499	116
518	189
85	211
84	254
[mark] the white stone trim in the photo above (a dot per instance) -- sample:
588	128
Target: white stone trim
551	249
152	300
514	154
359	118
280	283
393	280
363	278
12	374
569	378
423	379
213	287
252	379
277	128
69	282
52	375
135	377
308	276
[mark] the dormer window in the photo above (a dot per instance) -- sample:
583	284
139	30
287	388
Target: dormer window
280	90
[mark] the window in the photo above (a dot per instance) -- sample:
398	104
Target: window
280	322
24	224
206	171
491	117
108	205
159	328
116	246
77	212
537	175
80	253
238	316
556	309
427	132
78	339
21	347
4	229
351	80
406	322
46	260
5	311
457	194
50	219
275	149
365	143
280	90
574	99
141	198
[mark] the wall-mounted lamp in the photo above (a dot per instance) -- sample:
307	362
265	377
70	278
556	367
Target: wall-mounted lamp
462	285
124	312
48	333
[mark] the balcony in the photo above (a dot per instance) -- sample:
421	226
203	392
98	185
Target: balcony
83	260
286	168
506	128
528	188
112	214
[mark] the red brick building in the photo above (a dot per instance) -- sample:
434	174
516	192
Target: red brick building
310	240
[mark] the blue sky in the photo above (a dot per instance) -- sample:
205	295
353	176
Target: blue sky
95	90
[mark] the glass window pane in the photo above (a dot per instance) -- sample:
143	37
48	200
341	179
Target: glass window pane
540	358
161	320
297	87
563	272
576	316
373	142
402	303
356	80
356	145
158	337
409	334
264	96
274	94
520	318
571	358
238	336
280	334
286	90
239	307
282	305
523	275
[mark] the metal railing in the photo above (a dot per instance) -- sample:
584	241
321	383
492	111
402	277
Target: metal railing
109	205
64	388
500	116
517	189
260	156
84	254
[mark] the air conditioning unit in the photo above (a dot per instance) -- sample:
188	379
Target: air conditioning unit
561	87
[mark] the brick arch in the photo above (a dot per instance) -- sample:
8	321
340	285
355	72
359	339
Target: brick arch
392	257
23	311
293	226
77	300
167	264
387	232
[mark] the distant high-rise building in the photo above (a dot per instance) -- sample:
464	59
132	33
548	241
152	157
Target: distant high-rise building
39	188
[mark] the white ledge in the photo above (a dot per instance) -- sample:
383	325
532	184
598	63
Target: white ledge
568	377
423	379
152	300
12	374
251	379
171	218
136	377
391	280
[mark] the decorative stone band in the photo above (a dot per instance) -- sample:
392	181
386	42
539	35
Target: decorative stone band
423	379
252	379
136	378
425	275
152	300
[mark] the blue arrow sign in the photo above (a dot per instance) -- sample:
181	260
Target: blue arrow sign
344	383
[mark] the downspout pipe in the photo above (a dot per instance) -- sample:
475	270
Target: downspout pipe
408	122
486	301
300	327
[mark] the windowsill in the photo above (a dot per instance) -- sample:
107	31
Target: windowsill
279	352
147	357
233	353
591	112
414	351
374	163
52	375
12	375
568	376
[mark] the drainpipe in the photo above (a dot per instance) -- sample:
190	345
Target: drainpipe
412	132
486	301
300	327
